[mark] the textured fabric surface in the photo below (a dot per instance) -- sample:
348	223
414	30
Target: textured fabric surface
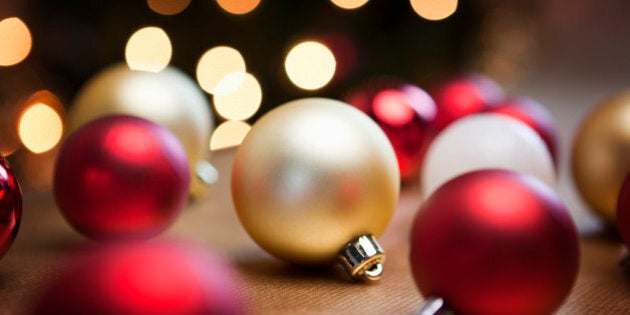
273	287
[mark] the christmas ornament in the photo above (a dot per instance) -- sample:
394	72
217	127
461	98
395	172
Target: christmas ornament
463	96
601	154
10	206
316	180
495	242
623	211
403	111
485	141
142	278
536	116
169	98
121	177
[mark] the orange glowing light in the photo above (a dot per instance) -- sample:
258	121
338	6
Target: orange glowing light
40	128
434	10
149	49
15	41
349	4
229	134
238	6
168	7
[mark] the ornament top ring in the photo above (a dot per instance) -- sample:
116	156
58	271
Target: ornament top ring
314	179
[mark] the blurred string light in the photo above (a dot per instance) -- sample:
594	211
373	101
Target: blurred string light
15	41
229	134
310	65
224	65
148	49
243	102
40	127
434	10
168	7
238	6
349	4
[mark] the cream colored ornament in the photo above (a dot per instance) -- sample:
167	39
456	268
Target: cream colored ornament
170	98
315	180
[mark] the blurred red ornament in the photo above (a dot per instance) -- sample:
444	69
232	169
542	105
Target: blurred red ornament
495	242
142	278
403	111
535	115
121	177
623	211
463	96
10	206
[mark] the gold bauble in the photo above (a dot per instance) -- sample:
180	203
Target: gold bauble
601	155
312	175
170	98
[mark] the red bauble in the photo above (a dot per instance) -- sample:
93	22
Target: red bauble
10	206
495	242
403	111
463	96
534	115
623	211
142	278
121	177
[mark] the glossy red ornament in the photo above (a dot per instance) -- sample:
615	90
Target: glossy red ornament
535	115
142	278
623	211
495	242
10	206
121	177
403	111
464	95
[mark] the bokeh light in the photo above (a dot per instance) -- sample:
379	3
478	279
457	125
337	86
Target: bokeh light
40	128
168	7
243	102
148	49
434	10
15	41
349	4
229	134
310	65
218	63
238	6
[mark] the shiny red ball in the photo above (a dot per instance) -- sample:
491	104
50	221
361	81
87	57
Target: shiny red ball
495	242
10	206
142	278
464	95
403	111
535	115
623	211
121	177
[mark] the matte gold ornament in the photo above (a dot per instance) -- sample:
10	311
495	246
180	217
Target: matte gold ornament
170	98
314	181
601	154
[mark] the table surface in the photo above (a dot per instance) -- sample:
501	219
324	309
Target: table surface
271	286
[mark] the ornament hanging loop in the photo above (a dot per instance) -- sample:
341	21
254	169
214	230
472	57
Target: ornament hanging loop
363	258
206	172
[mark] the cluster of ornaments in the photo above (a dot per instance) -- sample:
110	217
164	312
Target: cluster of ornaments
316	181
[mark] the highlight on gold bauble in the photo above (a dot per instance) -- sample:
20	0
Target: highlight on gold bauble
314	178
170	98
601	154
485	141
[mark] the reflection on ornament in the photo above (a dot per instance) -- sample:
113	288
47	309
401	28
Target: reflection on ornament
601	154
121	177
169	98
536	116
10	206
142	278
404	112
463	96
315	177
495	242
485	141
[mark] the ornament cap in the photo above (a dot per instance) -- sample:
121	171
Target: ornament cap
434	306
206	172
363	258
